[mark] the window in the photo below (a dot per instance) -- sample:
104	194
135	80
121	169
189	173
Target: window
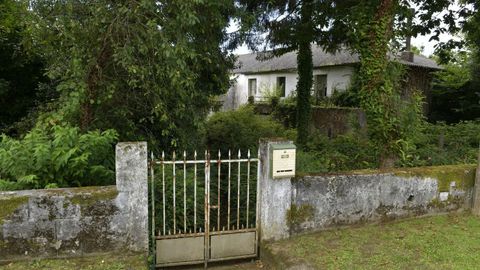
252	87
320	86
281	85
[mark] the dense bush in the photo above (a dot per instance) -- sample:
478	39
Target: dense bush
57	156
240	129
436	144
286	113
346	152
441	144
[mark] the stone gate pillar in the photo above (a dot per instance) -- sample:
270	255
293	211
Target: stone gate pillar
131	166
275	197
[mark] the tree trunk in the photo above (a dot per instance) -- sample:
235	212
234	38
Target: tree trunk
93	78
387	160
374	92
305	72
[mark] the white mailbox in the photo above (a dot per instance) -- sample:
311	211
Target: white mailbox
283	160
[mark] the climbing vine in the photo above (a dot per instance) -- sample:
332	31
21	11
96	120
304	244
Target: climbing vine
391	118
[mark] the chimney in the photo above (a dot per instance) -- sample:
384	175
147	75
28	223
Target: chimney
408	43
407	55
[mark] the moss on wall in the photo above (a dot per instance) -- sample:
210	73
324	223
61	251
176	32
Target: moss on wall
90	195
462	175
8	206
296	215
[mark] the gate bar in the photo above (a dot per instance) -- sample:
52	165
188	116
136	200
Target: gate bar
238	191
229	178
152	195
218	188
163	189
184	191
174	198
195	194
248	186
207	209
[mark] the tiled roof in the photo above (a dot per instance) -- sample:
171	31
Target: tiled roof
248	63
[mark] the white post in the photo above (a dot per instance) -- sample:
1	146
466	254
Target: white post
275	197
131	164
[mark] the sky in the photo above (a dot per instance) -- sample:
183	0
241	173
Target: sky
429	46
419	41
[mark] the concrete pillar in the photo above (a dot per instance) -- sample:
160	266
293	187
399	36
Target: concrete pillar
476	190
132	183
275	197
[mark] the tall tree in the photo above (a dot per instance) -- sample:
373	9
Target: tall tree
149	69
21	69
457	87
293	26
377	28
472	31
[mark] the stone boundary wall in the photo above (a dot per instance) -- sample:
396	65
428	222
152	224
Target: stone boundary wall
306	203
77	221
320	202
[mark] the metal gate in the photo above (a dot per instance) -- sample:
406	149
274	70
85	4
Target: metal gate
199	218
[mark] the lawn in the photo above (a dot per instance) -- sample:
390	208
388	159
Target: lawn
101	262
442	242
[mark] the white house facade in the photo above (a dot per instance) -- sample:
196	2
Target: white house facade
332	72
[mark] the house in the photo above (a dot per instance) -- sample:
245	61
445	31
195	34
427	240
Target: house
331	72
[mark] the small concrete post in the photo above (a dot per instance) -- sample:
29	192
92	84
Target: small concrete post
131	164
275	197
476	190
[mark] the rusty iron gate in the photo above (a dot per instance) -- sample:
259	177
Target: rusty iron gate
197	218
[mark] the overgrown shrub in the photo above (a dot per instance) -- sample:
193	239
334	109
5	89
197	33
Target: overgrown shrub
436	144
442	144
286	113
240	129
57	156
345	152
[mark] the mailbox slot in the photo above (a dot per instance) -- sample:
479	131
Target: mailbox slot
283	160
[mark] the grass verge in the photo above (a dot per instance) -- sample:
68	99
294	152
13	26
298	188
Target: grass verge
102	262
441	242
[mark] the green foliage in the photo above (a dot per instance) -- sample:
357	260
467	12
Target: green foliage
271	94
148	69
240	129
21	68
57	156
442	144
305	74
286	113
454	96
346	152
432	145
294	26
375	29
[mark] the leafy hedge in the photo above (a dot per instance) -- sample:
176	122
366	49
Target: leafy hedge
435	144
57	156
240	129
432	144
442	144
342	153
